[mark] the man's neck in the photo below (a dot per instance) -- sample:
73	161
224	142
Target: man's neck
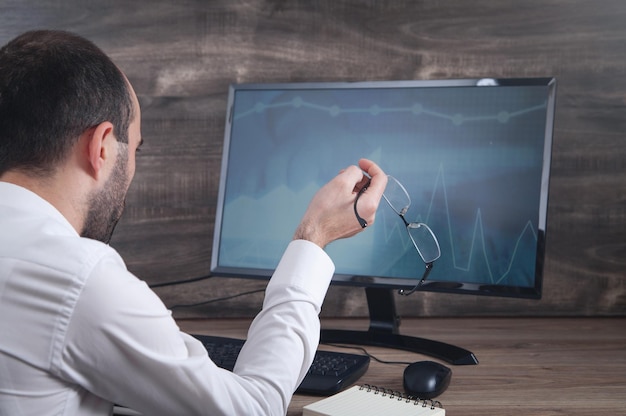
55	189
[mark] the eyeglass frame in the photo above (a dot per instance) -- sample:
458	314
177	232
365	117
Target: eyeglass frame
364	224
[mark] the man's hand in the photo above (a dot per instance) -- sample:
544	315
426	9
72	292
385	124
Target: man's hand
330	215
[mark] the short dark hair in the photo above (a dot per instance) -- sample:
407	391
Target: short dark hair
55	85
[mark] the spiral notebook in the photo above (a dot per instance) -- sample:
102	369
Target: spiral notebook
369	400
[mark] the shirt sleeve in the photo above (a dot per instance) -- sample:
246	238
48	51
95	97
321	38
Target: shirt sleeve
123	345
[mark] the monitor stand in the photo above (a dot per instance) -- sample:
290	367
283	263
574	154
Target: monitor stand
384	332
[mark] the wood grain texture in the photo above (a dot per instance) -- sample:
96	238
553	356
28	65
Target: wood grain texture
181	56
528	366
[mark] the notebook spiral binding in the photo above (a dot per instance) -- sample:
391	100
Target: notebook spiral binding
394	394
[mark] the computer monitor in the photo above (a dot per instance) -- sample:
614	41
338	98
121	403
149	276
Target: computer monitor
473	154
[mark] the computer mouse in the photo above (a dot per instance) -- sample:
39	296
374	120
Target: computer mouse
426	379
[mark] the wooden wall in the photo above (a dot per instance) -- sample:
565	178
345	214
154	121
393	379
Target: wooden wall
182	55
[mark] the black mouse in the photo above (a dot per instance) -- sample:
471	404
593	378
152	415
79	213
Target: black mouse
426	379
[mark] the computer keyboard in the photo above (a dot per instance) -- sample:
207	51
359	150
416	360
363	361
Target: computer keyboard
330	372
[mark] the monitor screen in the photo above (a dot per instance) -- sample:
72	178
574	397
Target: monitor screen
473	154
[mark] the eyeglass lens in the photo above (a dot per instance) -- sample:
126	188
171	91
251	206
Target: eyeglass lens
421	235
424	241
396	196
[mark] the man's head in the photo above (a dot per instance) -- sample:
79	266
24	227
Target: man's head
58	94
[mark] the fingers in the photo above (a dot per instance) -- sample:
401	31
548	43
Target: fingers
369	199
378	178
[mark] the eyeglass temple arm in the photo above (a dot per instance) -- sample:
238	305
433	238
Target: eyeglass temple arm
429	267
361	220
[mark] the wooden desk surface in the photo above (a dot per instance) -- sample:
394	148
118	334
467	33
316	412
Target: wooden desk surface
528	366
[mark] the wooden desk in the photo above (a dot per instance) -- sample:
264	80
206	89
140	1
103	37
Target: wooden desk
528	366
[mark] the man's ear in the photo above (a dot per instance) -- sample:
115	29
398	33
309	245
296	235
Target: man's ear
100	146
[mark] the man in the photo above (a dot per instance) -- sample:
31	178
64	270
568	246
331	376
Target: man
78	332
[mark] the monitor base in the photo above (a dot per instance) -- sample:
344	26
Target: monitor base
384	332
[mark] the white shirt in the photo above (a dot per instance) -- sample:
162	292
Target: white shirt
79	332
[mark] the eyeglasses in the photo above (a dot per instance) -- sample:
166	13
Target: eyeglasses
422	237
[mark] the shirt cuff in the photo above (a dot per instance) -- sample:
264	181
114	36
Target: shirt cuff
306	266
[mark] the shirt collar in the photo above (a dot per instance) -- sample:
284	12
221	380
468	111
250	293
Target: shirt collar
18	197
